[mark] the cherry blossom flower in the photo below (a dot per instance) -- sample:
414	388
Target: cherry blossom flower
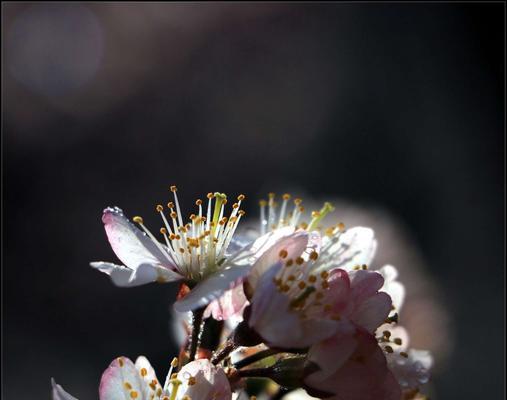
191	250
295	294
197	380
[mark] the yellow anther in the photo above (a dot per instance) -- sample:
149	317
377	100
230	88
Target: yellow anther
403	354
289	262
241	197
235	205
283	253
324	274
159	207
159	391
198	202
174	375
173	215
312	279
163	231
388	349
121	362
325	285
127	385
291	278
271	195
174	362
301	285
133	394
191	381
286	196
173	188
182	250
137	219
209	195
341	226
263	203
285	288
364	266
297	201
300	260
314	255
397	341
241	212
315	214
143	372
386	334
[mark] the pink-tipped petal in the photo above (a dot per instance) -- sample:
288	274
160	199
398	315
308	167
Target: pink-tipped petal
132	246
58	393
208	382
364	376
121	380
331	353
364	284
373	311
229	305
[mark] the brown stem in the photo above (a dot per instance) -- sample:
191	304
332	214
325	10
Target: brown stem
224	351
196	332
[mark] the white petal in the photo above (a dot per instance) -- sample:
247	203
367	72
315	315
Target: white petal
258	254
355	246
121	380
392	287
147	373
125	277
132	246
58	393
210	382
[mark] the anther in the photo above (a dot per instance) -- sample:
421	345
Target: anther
300	260
173	188
241	197
127	385
397	341
388	349
314	255
159	207
403	354
191	381
283	253
133	394
289	262
137	219
301	285
286	196
163	231
198	202
312	279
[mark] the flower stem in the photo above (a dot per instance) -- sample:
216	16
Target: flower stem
255	357
196	332
224	351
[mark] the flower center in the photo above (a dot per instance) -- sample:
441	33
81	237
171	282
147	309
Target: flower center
197	247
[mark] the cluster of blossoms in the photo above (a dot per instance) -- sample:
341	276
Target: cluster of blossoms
292	313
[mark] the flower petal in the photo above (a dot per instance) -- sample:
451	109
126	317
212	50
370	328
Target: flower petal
364	376
355	246
373	311
229	305
331	353
58	393
209	382
238	266
121	380
392	287
132	246
125	277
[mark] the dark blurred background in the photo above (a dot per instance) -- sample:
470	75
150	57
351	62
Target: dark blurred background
394	106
